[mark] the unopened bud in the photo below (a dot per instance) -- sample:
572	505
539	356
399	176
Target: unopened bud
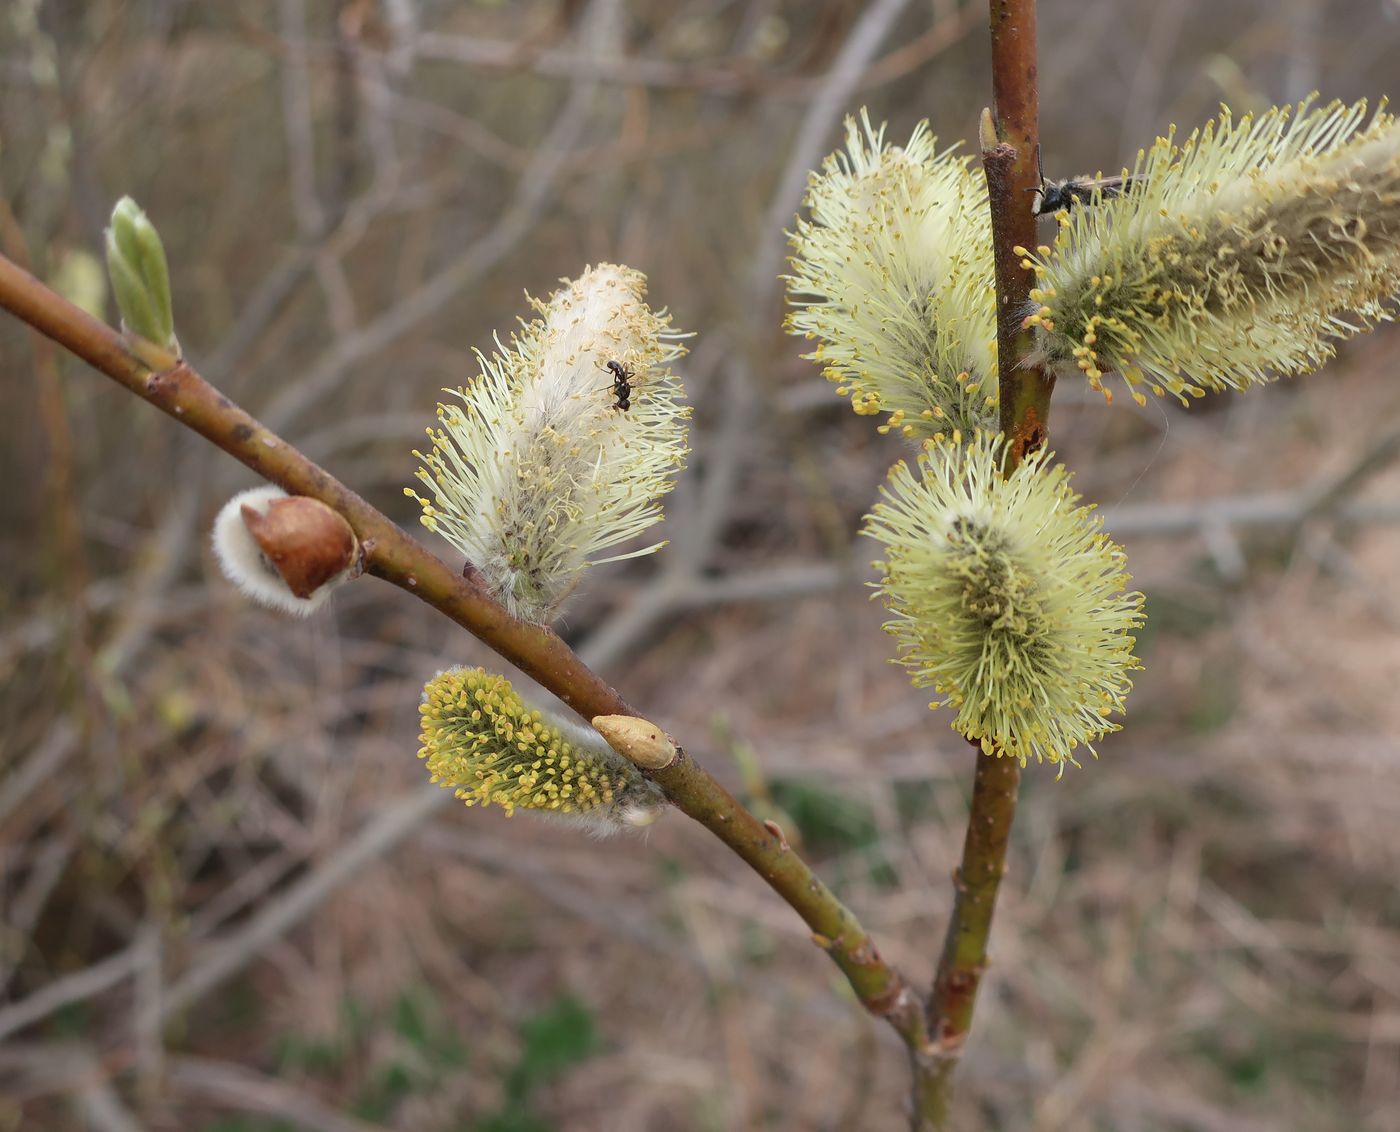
286	551
140	277
307	542
987	131
638	741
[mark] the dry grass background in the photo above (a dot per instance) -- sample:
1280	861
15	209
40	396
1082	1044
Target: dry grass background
211	819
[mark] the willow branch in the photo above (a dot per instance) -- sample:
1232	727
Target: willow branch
964	958
1009	158
171	385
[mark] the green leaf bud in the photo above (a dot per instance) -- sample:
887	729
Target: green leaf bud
140	276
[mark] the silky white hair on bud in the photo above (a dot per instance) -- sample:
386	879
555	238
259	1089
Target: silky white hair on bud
540	468
244	563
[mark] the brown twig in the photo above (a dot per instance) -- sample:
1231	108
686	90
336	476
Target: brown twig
172	386
1008	155
1012	171
964	957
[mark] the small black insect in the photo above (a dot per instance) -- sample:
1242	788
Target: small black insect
1055	195
621	385
1052	196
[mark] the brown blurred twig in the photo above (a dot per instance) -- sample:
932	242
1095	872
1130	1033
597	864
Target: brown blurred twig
239	1089
723	78
66	554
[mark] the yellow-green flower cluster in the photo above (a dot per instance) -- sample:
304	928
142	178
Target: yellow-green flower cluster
1007	598
893	274
482	740
1243	254
540	468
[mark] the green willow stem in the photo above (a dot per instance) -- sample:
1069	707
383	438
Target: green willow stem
1009	158
171	385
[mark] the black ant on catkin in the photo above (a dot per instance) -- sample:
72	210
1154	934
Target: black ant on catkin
621	386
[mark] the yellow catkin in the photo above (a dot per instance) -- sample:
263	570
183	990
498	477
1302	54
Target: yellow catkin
482	740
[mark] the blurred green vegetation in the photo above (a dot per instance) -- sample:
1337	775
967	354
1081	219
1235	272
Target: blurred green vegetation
412	1049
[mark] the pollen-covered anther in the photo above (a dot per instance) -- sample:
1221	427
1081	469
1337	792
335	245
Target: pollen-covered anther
866	403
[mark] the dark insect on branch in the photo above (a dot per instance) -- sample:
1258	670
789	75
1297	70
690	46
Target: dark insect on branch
1052	196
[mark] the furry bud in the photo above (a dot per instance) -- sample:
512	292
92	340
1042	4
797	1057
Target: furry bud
285	551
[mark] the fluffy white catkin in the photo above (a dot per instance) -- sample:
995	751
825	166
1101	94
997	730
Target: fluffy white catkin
892	274
545	464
